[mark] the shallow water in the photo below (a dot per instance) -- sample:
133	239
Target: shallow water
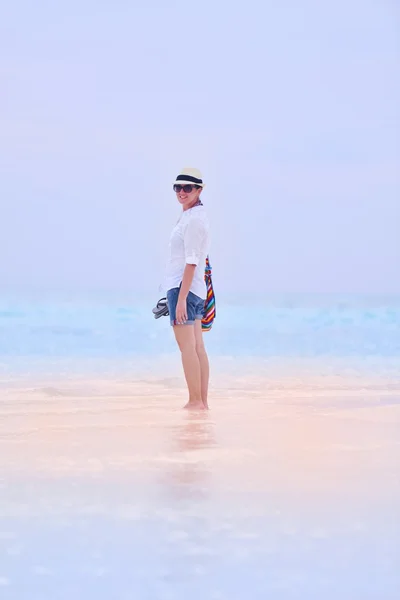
287	489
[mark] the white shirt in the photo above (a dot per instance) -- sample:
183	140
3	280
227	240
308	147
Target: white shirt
189	245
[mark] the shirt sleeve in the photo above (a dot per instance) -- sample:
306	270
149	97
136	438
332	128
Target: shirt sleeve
193	241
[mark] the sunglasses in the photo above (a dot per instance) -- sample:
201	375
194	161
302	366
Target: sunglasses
186	188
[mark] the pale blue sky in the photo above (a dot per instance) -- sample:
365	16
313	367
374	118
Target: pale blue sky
290	109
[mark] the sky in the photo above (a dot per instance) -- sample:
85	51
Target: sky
290	109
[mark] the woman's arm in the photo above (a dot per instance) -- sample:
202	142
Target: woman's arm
187	279
181	311
193	239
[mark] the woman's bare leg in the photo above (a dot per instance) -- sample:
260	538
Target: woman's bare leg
203	359
186	340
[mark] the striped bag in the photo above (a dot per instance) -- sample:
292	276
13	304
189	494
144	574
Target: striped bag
209	303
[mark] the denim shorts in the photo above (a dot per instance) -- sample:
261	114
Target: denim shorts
194	306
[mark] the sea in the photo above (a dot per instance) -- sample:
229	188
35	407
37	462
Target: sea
288	488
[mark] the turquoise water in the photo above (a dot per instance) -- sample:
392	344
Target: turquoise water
287	327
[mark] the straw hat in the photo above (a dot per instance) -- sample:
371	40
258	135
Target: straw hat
190	175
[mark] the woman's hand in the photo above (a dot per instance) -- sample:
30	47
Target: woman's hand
181	311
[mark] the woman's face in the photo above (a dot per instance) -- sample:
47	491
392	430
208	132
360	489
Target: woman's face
187	195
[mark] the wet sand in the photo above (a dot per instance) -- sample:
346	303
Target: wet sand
287	488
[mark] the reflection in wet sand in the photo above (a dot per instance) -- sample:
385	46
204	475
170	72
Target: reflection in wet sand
187	470
196	431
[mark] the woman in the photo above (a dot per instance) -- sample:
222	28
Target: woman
186	288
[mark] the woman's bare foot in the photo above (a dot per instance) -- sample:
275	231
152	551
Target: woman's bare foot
195	405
